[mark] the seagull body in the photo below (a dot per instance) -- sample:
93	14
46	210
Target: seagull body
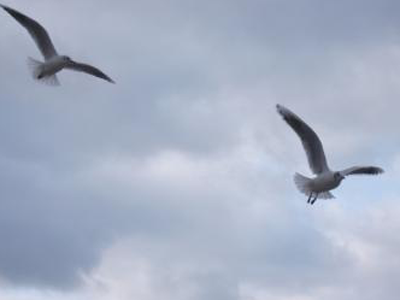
46	71
51	66
325	180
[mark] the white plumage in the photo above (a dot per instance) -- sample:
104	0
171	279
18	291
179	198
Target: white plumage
46	71
325	179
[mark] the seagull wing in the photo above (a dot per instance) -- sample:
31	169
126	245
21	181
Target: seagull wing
367	170
37	32
88	69
311	143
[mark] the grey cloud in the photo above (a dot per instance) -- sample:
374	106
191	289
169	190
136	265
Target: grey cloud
200	79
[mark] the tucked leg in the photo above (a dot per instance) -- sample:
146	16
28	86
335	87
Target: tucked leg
315	199
309	198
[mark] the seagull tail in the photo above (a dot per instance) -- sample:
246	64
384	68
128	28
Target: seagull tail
36	68
325	196
302	183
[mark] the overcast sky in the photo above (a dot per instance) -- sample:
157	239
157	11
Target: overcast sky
177	182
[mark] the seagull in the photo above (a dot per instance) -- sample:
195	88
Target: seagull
325	179
46	71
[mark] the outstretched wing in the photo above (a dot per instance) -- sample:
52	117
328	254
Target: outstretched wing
311	143
88	69
37	32
368	170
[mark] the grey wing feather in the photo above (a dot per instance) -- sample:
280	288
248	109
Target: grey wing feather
37	32
311	143
89	70
367	170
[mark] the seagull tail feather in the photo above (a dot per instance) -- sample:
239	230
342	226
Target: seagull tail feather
302	183
325	196
36	68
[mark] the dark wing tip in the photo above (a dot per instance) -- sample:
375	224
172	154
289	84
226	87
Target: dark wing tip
288	116
279	108
11	11
377	170
369	171
105	77
7	8
20	17
283	111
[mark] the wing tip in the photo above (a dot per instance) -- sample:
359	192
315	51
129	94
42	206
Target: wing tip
375	171
106	78
8	9
281	109
370	170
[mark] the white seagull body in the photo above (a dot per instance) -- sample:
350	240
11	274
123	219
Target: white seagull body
325	180
46	71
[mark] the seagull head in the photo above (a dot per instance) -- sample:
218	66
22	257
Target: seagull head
66	58
338	176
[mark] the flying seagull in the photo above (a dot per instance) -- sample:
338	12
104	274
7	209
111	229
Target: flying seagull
325	179
46	71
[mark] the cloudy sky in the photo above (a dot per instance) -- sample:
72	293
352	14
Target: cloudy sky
177	182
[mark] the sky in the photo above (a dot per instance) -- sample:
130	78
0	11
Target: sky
176	183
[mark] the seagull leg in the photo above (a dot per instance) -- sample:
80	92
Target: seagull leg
309	198
315	199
